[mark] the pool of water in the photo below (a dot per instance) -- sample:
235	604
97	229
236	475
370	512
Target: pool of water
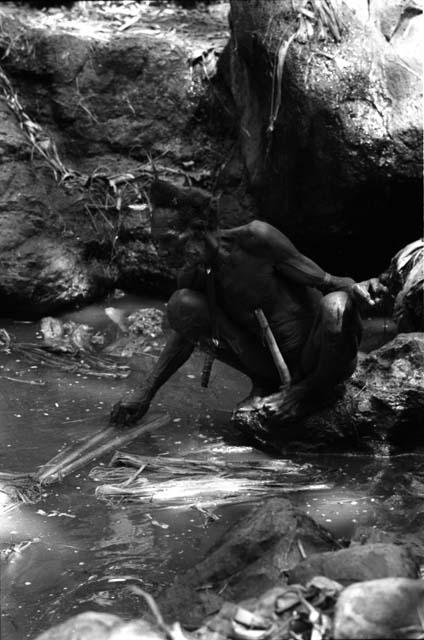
69	545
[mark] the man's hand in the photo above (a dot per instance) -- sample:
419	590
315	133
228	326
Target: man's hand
125	413
371	291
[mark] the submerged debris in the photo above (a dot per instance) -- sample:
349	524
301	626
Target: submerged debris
73	344
17	488
184	482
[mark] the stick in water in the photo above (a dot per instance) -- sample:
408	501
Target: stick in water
100	444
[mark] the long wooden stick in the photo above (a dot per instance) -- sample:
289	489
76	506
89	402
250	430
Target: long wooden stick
282	368
70	453
101	443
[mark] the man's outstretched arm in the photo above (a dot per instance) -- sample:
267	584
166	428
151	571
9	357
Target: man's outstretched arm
175	353
297	267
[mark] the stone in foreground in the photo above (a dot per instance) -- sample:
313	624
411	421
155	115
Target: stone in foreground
357	563
101	626
250	558
387	608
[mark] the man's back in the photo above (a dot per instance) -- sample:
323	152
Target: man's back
248	276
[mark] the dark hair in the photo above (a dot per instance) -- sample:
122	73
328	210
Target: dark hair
183	206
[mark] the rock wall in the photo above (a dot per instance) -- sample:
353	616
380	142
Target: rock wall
326	144
330	111
108	97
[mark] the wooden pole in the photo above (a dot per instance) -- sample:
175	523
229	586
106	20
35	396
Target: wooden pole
282	368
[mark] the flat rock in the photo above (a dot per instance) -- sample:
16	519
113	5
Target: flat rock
357	563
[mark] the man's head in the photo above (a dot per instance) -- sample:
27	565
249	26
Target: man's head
178	233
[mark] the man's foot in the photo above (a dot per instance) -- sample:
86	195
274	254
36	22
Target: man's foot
288	403
256	395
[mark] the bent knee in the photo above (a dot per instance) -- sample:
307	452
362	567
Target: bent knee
183	306
336	308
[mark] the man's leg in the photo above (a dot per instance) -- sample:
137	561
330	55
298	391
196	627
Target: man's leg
330	354
328	358
188	314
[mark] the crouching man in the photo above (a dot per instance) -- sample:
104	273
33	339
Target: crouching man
225	276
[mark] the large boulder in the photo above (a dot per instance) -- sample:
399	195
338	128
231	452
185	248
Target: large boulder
379	410
251	557
387	608
75	142
328	97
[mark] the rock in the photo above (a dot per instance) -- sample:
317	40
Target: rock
405	278
386	608
101	626
379	410
357	563
249	559
143	332
49	274
345	146
107	101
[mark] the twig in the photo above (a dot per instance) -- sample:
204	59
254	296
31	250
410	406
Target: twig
41	384
174	632
360	390
135	475
301	549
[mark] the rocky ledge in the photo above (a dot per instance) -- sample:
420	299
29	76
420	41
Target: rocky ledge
379	410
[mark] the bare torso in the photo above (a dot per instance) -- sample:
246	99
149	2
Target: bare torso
246	280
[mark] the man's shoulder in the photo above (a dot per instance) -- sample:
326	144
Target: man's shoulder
256	233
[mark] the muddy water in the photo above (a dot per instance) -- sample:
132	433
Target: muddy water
69	546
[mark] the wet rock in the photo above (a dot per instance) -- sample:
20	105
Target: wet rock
344	147
405	278
250	558
50	274
357	563
387	608
101	626
379	410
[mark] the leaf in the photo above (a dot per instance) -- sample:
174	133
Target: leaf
286	601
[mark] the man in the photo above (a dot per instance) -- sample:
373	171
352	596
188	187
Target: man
226	276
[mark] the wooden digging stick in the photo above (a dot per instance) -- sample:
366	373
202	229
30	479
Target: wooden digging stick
282	368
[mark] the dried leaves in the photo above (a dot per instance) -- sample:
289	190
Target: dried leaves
294	612
319	18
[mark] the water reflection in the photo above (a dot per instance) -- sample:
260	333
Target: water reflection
79	544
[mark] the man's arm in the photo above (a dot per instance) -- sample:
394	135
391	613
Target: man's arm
264	239
175	353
